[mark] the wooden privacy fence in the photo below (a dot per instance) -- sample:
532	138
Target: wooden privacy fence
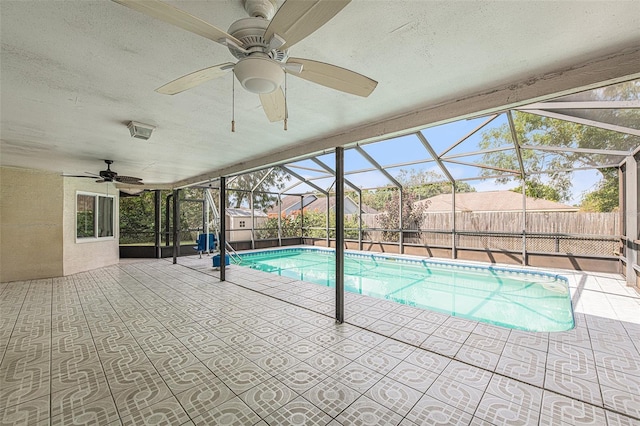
547	232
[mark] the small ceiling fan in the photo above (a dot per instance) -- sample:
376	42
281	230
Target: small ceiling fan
261	44
110	176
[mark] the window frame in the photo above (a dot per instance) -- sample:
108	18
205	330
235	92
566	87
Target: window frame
96	217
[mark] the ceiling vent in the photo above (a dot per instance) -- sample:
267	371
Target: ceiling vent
140	130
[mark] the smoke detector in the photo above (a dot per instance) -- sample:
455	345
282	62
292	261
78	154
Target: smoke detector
140	130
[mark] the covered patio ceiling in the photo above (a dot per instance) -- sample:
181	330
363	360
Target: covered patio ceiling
74	73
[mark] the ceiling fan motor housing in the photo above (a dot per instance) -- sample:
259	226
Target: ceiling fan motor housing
259	74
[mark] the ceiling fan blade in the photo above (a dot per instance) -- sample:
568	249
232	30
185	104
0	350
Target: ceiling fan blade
274	105
179	18
195	78
333	76
129	180
296	19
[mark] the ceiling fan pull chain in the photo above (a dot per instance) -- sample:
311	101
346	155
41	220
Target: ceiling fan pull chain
286	113
233	104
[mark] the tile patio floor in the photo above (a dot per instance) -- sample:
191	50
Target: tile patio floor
148	342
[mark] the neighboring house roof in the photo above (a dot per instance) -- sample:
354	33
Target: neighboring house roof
291	203
492	201
244	213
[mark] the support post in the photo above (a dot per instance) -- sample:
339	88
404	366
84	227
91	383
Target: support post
524	223
279	220
176	225
223	227
339	235
253	221
206	219
360	220
157	204
328	222
167	219
454	248
401	222
632	217
302	219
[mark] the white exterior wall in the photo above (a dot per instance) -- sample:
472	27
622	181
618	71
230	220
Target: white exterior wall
87	254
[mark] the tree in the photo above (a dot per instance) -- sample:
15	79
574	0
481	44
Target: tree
421	184
260	181
536	189
536	130
605	197
412	215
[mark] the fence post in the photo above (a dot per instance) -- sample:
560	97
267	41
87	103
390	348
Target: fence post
631	217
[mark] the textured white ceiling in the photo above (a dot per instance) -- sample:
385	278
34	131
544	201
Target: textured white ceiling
73	73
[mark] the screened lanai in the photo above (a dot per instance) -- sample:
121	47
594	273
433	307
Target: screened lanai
550	184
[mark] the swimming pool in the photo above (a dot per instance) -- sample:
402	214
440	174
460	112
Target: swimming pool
511	298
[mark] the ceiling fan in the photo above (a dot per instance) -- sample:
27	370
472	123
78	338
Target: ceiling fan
110	176
261	44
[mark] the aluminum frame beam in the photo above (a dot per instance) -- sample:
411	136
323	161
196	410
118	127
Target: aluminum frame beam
586	122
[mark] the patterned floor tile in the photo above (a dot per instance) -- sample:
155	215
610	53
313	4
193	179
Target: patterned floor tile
357	377
298	412
64	402
268	396
69	374
327	362
188	377
349	349
623	402
32	412
460	395
167	412
231	413
204	345
529	397
331	396
479	357
396	349
536	341
365	411
467	374
276	362
303	349
223	364
579	368
378	361
557	408
418	378
532	373
574	387
615	419
30	385
244	377
616	362
141	388
431	411
432	362
410	336
99	412
502	412
442	346
394	395
301	377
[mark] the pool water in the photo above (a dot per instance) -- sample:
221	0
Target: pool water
507	297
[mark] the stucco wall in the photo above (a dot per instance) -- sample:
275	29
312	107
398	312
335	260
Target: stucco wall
31	230
85	255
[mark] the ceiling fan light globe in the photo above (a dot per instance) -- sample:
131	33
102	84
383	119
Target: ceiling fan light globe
259	75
